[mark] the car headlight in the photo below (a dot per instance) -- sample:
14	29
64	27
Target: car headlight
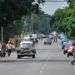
0	49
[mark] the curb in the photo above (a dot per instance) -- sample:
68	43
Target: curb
35	60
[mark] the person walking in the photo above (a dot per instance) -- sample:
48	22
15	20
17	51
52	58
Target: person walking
0	46
3	49
55	35
12	47
9	48
0	49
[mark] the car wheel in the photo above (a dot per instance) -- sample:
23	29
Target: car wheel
50	43
64	52
33	56
68	54
63	47
72	62
44	42
4	54
18	56
34	51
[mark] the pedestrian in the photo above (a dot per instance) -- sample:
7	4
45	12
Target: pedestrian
4	46
72	50
3	49
9	48
12	46
55	35
0	46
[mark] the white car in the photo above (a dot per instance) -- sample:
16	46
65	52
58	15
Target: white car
26	48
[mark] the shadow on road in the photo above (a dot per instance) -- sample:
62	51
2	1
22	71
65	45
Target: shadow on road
34	60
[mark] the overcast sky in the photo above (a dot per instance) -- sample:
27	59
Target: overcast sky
49	7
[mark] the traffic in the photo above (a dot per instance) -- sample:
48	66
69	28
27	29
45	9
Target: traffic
26	47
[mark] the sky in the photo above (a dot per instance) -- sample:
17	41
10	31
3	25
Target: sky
49	7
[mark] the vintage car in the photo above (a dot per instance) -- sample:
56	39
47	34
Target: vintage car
26	48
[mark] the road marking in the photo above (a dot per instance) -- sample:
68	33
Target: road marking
58	55
45	65
42	68
41	72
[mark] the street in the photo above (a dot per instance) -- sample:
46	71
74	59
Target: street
49	61
37	37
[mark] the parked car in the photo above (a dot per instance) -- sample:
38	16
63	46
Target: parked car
51	36
34	38
63	44
47	41
26	48
61	36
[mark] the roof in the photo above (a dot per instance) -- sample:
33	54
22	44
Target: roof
26	42
27	37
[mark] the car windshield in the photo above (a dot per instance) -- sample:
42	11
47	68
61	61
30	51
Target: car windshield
26	45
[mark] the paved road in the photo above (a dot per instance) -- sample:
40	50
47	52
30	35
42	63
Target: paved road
49	61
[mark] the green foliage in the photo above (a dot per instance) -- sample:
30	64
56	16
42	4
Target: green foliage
13	10
64	19
71	3
37	23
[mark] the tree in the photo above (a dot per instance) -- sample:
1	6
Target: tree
11	10
71	3
64	19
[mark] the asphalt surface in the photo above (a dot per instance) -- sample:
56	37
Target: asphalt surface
49	61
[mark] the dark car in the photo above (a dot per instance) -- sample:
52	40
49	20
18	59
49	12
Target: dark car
34	38
51	36
26	49
47	41
66	47
63	44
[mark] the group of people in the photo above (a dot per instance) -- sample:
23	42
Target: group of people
6	48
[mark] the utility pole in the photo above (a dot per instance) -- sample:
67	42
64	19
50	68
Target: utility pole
2	29
31	27
2	33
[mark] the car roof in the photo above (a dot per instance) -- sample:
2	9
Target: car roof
26	42
27	37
